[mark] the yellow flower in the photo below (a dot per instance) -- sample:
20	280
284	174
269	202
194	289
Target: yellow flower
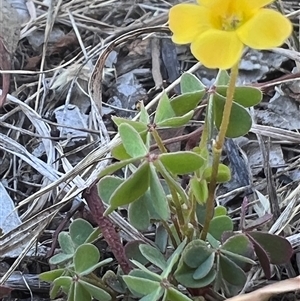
218	30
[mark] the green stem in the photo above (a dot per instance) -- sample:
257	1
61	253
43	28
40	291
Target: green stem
93	279
192	217
217	150
170	233
177	204
158	140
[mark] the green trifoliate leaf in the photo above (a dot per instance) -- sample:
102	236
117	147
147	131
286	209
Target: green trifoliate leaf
132	141
240	120
164	110
181	162
190	83
186	102
80	230
158	196
85	256
175	122
131	189
245	96
153	255
137	125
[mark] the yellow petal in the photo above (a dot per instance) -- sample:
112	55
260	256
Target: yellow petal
255	4
217	49
210	3
266	29
187	21
219	6
246	8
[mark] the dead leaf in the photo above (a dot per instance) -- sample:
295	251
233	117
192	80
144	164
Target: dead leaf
9	37
263	294
33	62
63	43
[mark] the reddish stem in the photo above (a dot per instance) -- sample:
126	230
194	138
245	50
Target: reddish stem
107	227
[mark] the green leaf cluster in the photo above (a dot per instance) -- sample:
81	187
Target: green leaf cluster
78	259
150	286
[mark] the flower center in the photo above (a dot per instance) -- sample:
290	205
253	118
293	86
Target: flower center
231	22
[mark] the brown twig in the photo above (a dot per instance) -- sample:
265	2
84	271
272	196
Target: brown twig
107	227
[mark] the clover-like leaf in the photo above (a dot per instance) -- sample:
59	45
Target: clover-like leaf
107	186
245	96
131	189
224	173
54	291
64	281
239	244
114	281
119	152
93	236
173	259
199	189
138	214
141	285
186	102
115	166
205	267
263	257
231	272
175	295
190	83
158	196
278	248
184	275
80	293
144	116
132	141
50	276
161	238
66	243
145	274
132	251
79	231
175	122
137	125
220	210
222	78
71	293
196	253
86	256
96	266
240	120
181	162
95	291
60	258
218	225
153	255
178	252
154	296
164	110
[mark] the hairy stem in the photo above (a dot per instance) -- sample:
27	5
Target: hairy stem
107	227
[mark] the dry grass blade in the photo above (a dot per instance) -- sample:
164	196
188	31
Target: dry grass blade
95	83
265	293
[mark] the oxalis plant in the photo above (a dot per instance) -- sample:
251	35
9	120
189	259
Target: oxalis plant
196	251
